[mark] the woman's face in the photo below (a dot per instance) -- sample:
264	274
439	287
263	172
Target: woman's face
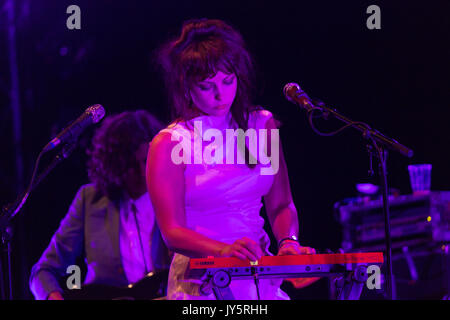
214	96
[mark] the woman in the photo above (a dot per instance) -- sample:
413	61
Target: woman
211	208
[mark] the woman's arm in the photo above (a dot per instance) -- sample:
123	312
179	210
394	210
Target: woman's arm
165	182
280	208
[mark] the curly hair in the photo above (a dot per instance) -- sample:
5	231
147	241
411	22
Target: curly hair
113	149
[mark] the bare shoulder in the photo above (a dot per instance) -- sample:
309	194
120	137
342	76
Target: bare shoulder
272	123
160	151
162	139
265	118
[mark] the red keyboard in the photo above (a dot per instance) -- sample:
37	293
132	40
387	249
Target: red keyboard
284	266
337	258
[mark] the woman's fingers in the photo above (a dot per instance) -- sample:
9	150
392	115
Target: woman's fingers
252	247
247	254
245	248
238	255
307	250
289	248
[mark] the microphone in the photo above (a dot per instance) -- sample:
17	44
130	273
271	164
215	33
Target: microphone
295	94
92	115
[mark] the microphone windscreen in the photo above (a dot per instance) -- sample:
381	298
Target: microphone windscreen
97	112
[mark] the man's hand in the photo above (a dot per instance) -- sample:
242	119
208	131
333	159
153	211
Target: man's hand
55	295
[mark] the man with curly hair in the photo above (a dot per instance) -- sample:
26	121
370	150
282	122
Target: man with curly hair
111	221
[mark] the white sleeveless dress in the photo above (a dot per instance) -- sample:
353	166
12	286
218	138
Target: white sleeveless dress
222	202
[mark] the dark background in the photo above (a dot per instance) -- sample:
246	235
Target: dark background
396	79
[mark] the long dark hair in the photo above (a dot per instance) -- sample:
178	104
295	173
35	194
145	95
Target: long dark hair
114	146
203	48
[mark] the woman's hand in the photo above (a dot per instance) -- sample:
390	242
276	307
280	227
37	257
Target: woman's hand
289	247
244	248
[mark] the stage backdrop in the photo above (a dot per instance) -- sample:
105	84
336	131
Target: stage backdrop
396	79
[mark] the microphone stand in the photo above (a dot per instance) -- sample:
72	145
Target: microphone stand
8	213
379	142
